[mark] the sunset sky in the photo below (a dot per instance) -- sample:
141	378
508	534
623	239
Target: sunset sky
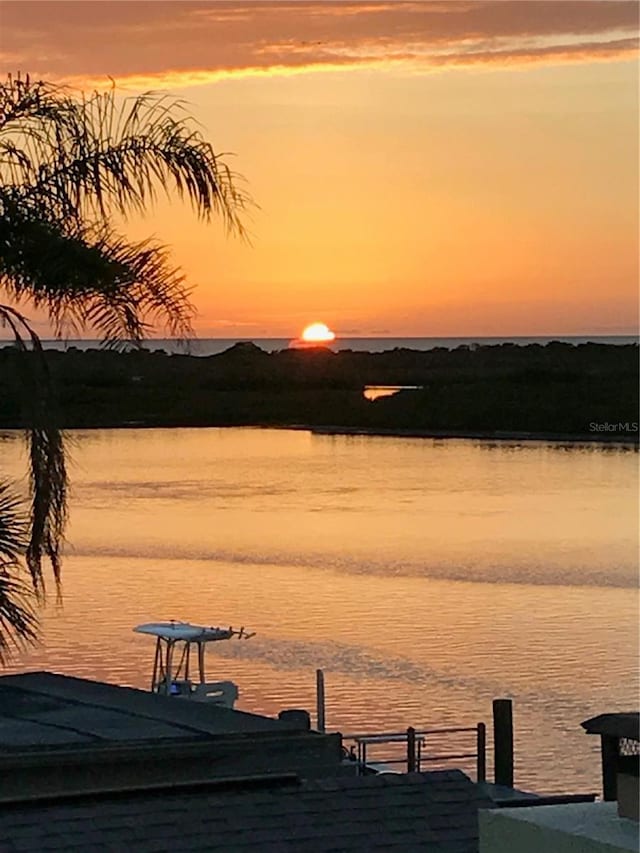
421	168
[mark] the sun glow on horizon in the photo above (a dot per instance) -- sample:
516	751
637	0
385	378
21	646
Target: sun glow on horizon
317	333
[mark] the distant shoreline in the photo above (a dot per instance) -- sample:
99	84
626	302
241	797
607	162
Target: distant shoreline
556	393
204	347
626	440
498	435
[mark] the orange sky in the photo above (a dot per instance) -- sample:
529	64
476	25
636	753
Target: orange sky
422	168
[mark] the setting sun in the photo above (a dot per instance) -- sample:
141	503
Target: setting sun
318	333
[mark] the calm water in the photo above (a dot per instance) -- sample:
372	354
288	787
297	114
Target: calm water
425	577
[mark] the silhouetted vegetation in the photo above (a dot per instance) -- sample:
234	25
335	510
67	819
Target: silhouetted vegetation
554	389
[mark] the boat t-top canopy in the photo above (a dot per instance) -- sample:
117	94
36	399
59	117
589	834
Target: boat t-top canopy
189	633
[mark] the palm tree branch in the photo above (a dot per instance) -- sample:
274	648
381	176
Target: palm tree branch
91	277
80	162
47	469
13	526
18	622
67	163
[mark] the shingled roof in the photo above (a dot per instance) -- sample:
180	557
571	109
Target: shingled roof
427	812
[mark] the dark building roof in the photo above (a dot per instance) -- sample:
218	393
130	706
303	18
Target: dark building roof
69	735
626	725
426	812
47	709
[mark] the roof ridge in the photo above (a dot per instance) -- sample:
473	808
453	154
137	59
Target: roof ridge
222	784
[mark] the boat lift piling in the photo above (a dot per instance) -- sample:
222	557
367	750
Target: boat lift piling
503	742
320	706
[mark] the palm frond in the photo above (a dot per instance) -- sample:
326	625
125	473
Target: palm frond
68	164
18	622
41	257
17	618
47	468
148	291
92	277
88	155
13	526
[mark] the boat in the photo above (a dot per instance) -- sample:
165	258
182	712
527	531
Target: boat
173	672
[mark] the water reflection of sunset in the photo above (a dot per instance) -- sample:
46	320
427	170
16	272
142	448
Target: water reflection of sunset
374	392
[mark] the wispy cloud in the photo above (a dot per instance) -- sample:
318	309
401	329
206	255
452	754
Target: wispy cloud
177	44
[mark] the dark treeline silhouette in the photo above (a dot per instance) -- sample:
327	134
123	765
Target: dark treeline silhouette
553	389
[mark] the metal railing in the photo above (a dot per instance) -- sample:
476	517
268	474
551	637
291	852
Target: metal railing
421	746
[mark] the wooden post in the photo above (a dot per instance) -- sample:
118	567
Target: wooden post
503	742
320	718
609	752
411	750
482	753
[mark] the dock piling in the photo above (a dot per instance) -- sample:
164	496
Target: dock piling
411	750
320	715
503	742
481	750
